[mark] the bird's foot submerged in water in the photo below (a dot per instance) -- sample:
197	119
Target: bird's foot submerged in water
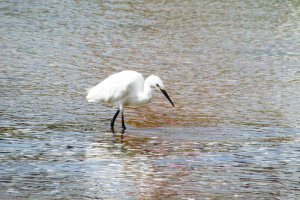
122	133
115	137
113	131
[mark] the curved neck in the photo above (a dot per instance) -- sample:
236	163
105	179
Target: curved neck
146	95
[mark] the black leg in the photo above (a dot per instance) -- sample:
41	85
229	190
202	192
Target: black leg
123	125
113	121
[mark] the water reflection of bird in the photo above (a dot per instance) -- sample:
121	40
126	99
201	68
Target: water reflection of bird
125	88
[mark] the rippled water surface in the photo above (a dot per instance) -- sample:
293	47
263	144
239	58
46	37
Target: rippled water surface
231	68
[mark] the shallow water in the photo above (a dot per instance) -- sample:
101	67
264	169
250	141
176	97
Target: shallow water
231	68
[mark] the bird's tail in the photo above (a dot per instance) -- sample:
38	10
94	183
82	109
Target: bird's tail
91	95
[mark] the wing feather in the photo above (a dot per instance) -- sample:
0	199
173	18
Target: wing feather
115	88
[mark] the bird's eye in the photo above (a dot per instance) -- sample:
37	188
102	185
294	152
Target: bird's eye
158	85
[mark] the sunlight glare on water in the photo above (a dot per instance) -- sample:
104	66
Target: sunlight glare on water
231	68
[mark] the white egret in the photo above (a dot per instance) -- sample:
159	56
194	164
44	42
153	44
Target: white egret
125	88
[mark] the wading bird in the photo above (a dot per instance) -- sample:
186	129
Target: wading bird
125	88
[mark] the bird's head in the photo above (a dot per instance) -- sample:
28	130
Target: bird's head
156	82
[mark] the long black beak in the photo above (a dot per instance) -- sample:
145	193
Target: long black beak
167	96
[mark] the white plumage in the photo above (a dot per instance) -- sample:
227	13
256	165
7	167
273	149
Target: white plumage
117	88
125	88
